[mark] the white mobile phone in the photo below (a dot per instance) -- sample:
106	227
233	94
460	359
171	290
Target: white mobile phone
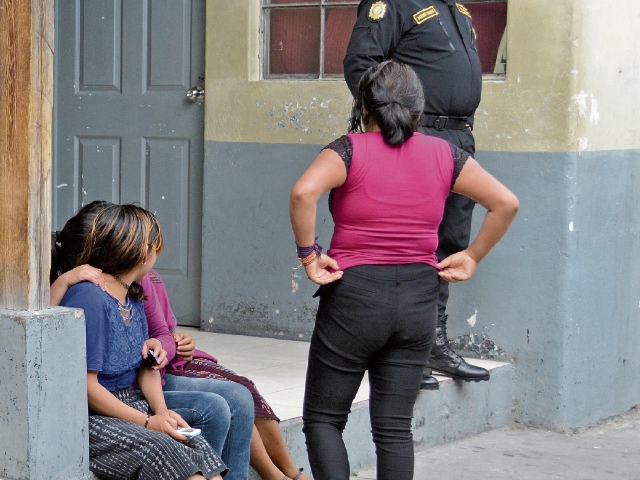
188	431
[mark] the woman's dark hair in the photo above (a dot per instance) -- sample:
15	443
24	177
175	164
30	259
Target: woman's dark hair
67	244
113	238
391	94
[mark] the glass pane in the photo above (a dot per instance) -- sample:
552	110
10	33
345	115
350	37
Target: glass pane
489	22
294	43
337	31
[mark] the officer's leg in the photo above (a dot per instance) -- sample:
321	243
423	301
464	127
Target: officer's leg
453	237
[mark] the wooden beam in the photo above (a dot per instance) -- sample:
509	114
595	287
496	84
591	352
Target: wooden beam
26	100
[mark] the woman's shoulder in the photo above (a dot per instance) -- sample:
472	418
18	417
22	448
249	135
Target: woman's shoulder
84	288
84	295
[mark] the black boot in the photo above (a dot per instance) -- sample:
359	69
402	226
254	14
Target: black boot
445	361
429	382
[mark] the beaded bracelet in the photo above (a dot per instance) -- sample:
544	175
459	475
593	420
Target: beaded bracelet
146	423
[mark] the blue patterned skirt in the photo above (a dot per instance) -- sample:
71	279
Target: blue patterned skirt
119	449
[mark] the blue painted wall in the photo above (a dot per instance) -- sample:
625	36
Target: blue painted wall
249	284
558	296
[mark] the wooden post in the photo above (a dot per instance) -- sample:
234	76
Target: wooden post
26	100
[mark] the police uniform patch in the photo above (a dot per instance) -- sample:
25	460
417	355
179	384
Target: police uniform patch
425	14
463	10
377	11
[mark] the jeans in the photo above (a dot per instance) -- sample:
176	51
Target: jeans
379	318
237	409
208	412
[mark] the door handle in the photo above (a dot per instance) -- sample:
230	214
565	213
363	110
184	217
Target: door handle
196	94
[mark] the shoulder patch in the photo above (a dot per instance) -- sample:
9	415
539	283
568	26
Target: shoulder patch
377	11
463	10
425	14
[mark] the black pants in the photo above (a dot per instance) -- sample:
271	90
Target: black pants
372	319
455	228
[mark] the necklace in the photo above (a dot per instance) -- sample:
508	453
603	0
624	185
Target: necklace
125	309
119	280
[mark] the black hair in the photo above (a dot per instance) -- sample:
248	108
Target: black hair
67	244
391	94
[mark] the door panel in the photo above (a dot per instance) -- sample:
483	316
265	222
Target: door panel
124	130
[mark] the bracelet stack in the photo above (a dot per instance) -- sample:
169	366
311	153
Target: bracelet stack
308	255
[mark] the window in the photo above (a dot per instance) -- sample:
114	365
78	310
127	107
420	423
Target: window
306	38
309	38
490	22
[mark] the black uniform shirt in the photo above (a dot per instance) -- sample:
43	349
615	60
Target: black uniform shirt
435	37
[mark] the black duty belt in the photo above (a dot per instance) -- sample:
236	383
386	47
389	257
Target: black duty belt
442	122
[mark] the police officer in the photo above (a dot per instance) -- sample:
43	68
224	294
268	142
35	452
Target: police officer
437	39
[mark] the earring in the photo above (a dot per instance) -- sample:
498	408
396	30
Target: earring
144	263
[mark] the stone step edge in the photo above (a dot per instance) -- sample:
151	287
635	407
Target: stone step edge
456	410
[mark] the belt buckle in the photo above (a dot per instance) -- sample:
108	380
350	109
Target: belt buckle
440	123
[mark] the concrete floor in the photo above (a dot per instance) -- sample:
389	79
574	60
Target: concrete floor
610	451
277	367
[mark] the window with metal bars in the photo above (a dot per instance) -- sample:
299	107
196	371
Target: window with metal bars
307	39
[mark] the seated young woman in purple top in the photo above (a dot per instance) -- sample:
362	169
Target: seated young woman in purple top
380	281
193	369
132	432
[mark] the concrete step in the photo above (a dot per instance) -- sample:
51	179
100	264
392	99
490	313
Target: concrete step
456	410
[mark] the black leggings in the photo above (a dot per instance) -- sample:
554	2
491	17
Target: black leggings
379	318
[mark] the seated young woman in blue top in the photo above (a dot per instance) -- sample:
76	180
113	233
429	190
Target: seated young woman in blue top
132	433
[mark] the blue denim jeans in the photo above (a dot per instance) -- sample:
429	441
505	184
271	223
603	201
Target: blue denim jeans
206	411
238	410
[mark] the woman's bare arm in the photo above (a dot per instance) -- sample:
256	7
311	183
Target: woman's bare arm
326	172
502	206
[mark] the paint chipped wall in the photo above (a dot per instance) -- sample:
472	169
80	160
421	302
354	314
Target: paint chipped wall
242	108
606	86
561	92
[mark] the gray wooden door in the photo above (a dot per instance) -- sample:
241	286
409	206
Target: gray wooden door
124	130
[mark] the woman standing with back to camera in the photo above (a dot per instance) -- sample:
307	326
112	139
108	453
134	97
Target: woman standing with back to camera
379	282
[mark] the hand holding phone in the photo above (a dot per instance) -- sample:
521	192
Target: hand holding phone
151	359
189	432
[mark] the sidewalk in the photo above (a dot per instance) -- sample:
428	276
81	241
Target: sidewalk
606	452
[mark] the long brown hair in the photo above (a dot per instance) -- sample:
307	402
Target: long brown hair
120	238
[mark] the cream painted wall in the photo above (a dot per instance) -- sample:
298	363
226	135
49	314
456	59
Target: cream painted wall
606	87
571	82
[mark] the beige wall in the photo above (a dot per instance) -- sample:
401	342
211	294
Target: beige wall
571	83
607	79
